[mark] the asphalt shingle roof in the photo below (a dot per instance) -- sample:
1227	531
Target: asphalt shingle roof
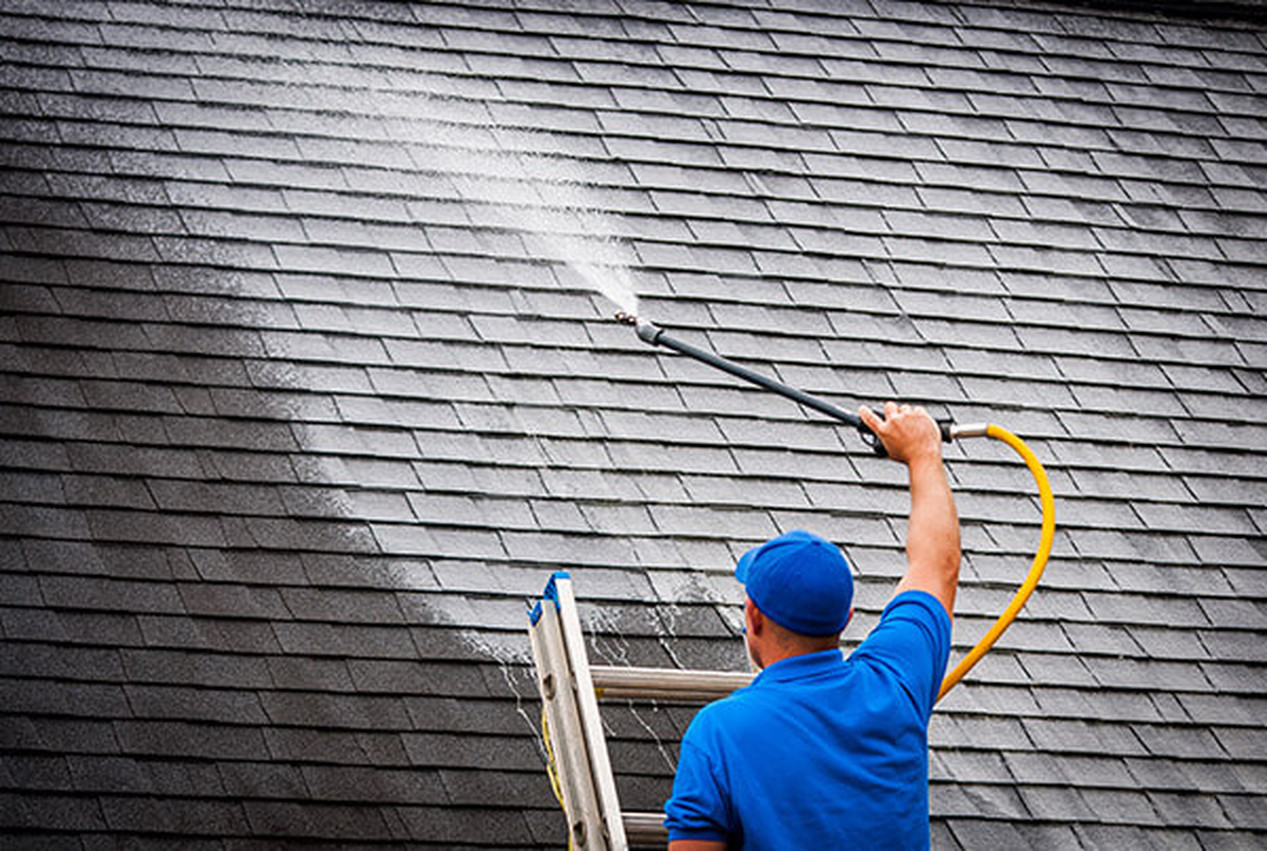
306	388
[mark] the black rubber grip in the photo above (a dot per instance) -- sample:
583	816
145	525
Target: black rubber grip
872	439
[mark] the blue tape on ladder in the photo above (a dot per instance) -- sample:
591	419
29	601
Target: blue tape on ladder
551	593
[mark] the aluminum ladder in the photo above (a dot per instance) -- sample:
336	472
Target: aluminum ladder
570	689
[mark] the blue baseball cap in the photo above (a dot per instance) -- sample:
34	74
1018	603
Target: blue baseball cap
799	580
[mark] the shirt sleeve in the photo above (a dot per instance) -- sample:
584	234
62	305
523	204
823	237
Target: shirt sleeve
912	640
698	807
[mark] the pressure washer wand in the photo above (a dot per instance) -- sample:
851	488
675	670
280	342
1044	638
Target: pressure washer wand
654	335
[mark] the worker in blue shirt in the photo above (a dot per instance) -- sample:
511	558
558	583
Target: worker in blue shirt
822	752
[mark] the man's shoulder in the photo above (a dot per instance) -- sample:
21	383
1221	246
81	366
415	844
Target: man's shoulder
911	619
725	713
910	644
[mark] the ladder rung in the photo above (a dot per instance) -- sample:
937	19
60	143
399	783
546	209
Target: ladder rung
645	828
665	683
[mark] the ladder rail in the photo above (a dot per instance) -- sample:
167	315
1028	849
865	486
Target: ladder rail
575	773
591	722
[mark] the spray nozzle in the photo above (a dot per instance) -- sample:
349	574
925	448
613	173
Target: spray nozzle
648	332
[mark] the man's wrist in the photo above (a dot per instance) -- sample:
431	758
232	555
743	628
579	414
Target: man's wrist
923	462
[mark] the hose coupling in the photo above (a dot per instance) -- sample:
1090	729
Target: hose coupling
648	333
968	430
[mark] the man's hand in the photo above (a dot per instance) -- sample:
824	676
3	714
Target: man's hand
932	536
907	433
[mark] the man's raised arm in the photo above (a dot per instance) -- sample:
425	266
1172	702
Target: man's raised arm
932	535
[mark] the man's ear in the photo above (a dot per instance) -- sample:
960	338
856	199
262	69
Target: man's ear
848	619
753	617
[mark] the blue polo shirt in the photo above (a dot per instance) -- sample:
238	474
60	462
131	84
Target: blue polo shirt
820	752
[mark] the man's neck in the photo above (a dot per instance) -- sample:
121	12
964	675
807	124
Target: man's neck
779	653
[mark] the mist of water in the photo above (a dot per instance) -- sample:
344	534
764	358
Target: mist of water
550	200
600	262
554	210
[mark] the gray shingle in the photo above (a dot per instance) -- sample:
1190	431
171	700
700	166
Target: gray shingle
1059	804
1121	806
1240	810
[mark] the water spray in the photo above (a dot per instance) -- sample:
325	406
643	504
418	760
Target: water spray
654	335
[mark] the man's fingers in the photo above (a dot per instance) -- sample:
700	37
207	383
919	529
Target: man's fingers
892	411
869	418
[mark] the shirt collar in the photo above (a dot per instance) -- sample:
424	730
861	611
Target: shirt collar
797	667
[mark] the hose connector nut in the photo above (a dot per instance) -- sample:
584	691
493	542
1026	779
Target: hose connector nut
648	332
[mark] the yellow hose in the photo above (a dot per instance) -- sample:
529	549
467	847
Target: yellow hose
1035	571
552	768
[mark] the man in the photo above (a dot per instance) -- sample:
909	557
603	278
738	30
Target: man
821	752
